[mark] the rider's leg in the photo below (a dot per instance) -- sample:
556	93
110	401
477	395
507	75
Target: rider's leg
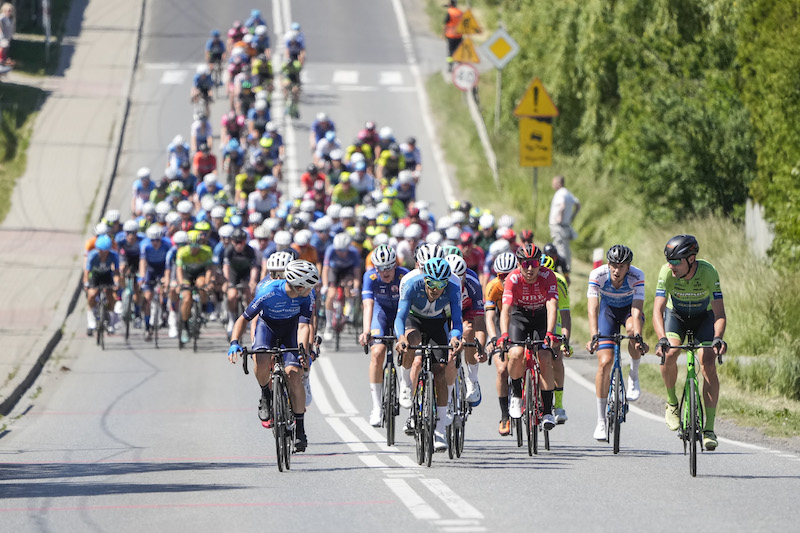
708	364
547	383
378	354
186	302
605	359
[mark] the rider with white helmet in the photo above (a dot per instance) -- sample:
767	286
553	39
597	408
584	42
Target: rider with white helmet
341	267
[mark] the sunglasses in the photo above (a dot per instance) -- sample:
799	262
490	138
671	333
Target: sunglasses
531	263
436	284
385	268
675	262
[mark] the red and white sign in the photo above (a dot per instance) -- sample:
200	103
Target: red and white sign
465	76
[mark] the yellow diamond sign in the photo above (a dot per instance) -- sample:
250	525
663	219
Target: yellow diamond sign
500	48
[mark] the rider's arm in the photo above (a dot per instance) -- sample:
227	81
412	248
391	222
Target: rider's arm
454	293
566	325
369	305
226	271
402	314
636	314
659	305
720	321
552	310
593	303
325	274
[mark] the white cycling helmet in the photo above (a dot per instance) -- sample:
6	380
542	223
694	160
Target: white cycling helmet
336	154
261	232
178	140
308	206
130	226
384	257
184	207
207	202
457	264
356	157
322	117
225	231
486	221
203	69
218	211
428	251
162	208
149	208
172	219
443	223
112	215
180	238
380	239
505	263
385	133
154	232
209	178
458	217
506	221
260	105
283	239
303	216
499	246
261	30
323	224
342	241
405	177
143	172
398	230
101	229
300	273
334	210
347	212
302	237
422	205
255	218
452	233
271	126
413	231
434	237
272	224
278	260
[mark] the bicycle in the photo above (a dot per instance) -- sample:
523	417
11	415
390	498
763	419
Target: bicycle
339	320
128	294
532	406
239	306
283	422
692	416
195	319
101	314
617	403
390	403
216	75
459	406
155	312
293	99
423	409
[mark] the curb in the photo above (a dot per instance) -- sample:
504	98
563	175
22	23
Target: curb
27	382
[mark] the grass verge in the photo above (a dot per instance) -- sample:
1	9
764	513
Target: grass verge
19	105
27	48
759	389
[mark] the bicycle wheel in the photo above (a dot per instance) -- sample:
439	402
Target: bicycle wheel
430	417
388	403
693	428
617	411
98	319
155	316
194	324
278	418
518	430
101	325
463	411
451	438
127	298
531	431
419	430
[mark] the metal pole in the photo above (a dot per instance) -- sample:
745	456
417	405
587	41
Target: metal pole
497	101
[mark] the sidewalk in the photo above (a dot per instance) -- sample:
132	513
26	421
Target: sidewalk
59	198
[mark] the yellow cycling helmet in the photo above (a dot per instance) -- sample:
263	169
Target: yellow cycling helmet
548	262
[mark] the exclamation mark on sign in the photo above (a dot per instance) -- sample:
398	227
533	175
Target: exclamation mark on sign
535	99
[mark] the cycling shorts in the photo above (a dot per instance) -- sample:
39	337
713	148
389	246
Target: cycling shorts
238	277
702	325
278	334
190	278
214	57
610	320
524	324
101	278
152	276
340	275
433	330
382	321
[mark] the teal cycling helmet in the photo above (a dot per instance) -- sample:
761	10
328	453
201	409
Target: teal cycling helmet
103	243
436	269
449	249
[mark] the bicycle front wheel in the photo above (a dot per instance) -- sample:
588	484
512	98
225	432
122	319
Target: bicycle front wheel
279	418
618	407
693	428
417	417
531	431
430	417
389	391
155	316
195	324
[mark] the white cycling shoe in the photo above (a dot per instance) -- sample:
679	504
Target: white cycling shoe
404	398
375	417
600	431
634	392
515	407
439	442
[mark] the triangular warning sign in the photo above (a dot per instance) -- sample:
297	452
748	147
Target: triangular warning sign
465	53
536	102
468	24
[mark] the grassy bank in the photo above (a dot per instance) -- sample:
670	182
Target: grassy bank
27	48
19	105
762	308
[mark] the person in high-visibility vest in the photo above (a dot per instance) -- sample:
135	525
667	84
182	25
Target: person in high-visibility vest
451	21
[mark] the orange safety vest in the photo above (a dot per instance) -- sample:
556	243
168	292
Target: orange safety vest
455	18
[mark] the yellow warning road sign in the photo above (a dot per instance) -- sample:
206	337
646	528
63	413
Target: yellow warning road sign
536	102
466	53
468	24
535	143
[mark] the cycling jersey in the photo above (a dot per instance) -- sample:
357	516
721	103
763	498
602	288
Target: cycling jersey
203	82
97	267
386	297
530	296
321	128
272	303
348	261
414	301
474	256
130	253
563	299
156	258
194	265
240	262
600	286
471	296
215	47
307	253
693	296
346	197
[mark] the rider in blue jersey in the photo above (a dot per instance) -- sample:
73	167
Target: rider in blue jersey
281	304
380	296
430	311
102	270
341	266
215	49
152	265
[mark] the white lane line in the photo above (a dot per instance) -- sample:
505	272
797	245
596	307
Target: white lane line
173	77
404	460
167	66
390	77
588	385
372	461
349	77
430	128
463	529
457	522
373	434
281	16
405	89
347	436
358	88
416	505
319	395
337	389
455	502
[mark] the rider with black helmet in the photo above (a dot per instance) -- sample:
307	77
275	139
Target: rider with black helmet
688	297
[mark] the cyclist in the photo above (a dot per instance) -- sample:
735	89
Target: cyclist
142	188
473	255
193	267
102	269
280	304
254	21
180	239
564	328
559	264
129	243
215	51
493	302
380	297
178	153
530	305
152	265
295	43
322	124
236	33
201	86
341	266
291	82
689	297
474	325
430	310
239	266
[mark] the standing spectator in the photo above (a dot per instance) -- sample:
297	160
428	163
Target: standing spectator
6	33
563	209
451	22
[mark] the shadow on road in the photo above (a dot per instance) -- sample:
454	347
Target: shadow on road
23	471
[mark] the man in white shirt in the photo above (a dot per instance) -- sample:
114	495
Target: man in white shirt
563	209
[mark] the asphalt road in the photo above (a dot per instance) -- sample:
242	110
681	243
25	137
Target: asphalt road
137	438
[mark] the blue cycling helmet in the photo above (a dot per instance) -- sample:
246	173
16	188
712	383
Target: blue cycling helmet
255	13
103	243
233	144
215	33
436	269
295	26
330	135
236	221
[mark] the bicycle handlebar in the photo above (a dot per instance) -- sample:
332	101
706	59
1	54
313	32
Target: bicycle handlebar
269	351
388	338
616	337
691	346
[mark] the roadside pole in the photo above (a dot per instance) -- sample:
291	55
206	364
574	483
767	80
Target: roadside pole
500	48
47	34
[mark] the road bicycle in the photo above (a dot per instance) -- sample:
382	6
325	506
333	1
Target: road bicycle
283	421
459	406
617	399
195	319
389	402
239	308
293	100
691	412
102	318
339	319
128	296
216	75
423	408
155	312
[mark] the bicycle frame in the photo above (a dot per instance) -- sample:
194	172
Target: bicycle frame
390	403
617	406
424	405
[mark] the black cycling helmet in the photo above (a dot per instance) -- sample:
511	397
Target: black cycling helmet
681	246
619	253
550	250
239	235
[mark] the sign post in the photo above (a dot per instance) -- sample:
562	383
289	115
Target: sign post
536	111
500	48
47	34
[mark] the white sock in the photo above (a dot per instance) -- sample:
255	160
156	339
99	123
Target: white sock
91	321
472	372
441	424
602	403
377	394
329	318
450	389
405	376
635	368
